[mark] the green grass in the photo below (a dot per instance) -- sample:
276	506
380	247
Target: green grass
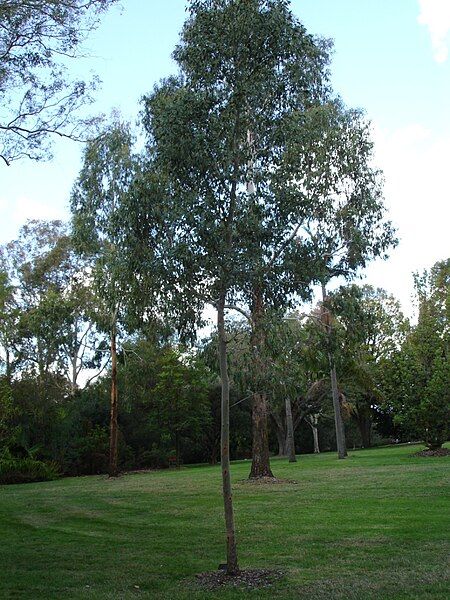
375	526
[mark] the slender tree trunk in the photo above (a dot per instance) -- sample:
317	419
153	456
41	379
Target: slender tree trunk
73	378
232	560
281	438
260	448
113	430
338	421
365	429
280	431
8	367
315	434
290	441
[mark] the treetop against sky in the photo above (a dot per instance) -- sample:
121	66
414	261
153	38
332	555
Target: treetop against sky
390	58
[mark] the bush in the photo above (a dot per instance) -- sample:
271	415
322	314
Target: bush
26	470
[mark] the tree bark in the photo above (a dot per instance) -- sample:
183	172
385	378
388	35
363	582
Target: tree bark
232	560
315	432
260	448
113	430
281	438
365	429
280	431
290	441
338	421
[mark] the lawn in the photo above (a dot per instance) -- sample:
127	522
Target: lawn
375	526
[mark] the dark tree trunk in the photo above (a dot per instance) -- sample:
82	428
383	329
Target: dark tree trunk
232	560
113	430
8	371
260	449
338	420
290	441
364	422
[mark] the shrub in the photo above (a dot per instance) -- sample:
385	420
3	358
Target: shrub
26	470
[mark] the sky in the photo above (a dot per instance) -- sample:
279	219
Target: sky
391	58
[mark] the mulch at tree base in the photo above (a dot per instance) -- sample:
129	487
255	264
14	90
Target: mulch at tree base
438	452
269	480
248	578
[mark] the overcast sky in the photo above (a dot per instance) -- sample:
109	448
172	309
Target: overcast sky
391	58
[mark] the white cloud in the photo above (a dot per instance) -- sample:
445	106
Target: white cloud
417	192
435	15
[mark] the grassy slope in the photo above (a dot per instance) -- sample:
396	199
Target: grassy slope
375	526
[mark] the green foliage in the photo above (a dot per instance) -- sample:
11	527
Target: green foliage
416	380
25	470
48	326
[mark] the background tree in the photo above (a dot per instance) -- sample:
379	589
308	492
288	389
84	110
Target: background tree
49	325
372	329
38	99
416	379
98	205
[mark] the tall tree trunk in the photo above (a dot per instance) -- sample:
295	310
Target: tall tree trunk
74	374
232	560
281	439
8	364
280	431
260	448
338	421
290	441
113	429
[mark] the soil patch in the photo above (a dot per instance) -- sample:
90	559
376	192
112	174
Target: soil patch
438	452
248	578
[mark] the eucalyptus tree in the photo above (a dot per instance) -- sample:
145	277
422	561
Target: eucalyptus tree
248	137
245	68
99	202
348	227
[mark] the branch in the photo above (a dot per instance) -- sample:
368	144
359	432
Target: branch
240	310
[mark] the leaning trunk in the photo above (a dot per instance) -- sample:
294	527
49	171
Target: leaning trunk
290	441
113	431
260	449
232	561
